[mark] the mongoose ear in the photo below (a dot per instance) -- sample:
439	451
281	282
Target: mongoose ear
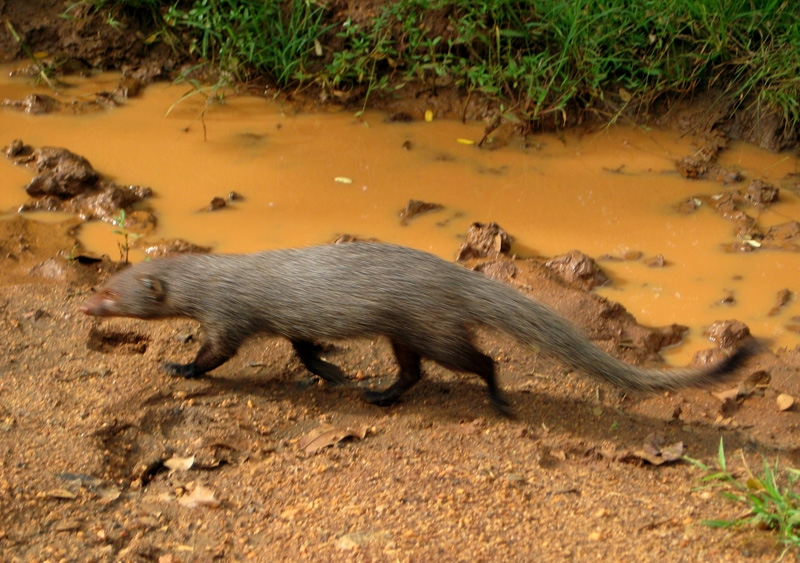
155	286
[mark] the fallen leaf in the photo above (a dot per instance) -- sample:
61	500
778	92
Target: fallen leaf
62	494
784	402
346	543
200	496
428	115
290	513
176	463
474	427
326	435
109	493
656	452
727	395
756	381
673	452
68	525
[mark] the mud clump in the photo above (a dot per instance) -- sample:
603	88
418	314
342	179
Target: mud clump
759	193
657	261
216	204
346	238
173	247
59	173
501	270
732	205
485	241
703	162
35	104
39	104
727	333
578	270
785	236
416	207
67	182
783	298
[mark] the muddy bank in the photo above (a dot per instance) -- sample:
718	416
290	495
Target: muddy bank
107	458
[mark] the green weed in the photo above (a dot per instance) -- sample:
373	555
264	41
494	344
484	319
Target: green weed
771	506
543	58
242	36
127	236
44	72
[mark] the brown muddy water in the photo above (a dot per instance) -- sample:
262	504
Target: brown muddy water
308	177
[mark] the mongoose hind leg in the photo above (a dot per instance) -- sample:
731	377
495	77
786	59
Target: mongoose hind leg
465	357
409	374
307	352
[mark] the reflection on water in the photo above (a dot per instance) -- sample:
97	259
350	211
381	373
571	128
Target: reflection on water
610	192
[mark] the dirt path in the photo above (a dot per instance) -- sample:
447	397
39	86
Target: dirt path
88	425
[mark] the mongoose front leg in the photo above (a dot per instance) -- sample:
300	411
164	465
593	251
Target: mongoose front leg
188	371
307	352
409	374
209	356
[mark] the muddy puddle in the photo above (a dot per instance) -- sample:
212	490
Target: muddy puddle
305	178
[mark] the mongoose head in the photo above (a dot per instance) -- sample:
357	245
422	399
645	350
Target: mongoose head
130	293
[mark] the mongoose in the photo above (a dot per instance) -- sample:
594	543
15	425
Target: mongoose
424	305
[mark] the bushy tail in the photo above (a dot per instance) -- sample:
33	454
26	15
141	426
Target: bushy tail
534	323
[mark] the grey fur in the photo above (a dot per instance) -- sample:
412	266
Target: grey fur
421	303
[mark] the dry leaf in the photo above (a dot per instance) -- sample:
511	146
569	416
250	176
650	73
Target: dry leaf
200	496
326	435
727	395
784	402
176	463
62	494
109	493
656	452
346	543
758	380
290	513
68	525
755	382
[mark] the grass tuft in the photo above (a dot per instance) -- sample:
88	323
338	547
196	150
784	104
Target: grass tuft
770	506
537	59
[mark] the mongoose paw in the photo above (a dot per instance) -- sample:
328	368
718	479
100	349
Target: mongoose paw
333	376
380	398
503	406
188	371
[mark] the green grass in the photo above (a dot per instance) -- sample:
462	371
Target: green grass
249	36
539	59
770	505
